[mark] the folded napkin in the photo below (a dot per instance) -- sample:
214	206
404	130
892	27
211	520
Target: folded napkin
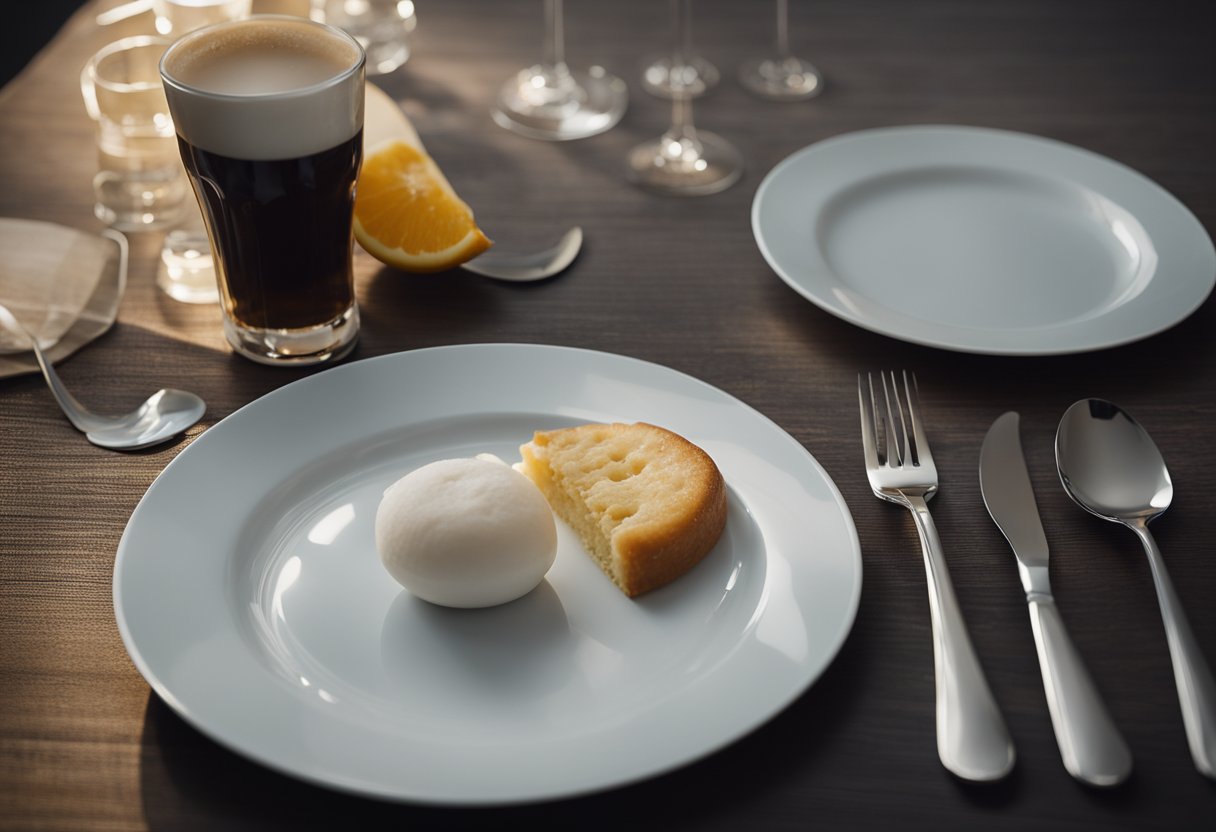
63	285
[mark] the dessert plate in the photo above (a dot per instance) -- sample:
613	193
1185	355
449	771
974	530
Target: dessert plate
249	593
982	240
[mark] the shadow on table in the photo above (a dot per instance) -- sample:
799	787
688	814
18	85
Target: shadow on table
1151	369
189	782
439	303
1002	794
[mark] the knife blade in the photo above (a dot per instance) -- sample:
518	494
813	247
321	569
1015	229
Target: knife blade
1005	485
1092	749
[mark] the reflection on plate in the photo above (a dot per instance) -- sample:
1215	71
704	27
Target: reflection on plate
249	593
982	240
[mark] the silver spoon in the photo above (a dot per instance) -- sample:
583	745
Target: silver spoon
165	414
523	268
1110	467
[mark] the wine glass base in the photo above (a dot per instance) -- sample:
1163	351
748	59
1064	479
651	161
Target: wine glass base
699	77
715	168
781	79
594	103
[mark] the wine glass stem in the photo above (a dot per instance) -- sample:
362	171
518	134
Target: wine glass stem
555	38
783	29
681	17
559	87
681	101
681	116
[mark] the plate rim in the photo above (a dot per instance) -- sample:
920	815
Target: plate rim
839	636
981	133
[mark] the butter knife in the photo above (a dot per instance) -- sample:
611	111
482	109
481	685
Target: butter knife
1093	750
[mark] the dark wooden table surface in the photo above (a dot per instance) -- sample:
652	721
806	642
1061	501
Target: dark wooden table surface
85	744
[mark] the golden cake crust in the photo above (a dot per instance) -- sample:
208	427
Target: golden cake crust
647	503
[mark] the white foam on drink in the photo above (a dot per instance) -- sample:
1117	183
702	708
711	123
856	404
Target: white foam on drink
265	88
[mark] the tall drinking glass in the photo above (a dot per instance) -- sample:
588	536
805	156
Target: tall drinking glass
269	119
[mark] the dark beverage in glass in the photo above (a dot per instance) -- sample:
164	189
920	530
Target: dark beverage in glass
269	117
298	213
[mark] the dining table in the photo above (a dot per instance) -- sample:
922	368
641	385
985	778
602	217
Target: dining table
85	743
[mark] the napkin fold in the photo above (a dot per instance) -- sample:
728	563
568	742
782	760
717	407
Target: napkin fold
63	285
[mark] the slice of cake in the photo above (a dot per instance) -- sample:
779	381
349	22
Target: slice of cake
647	503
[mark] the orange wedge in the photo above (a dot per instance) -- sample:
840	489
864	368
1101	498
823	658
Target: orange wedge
408	216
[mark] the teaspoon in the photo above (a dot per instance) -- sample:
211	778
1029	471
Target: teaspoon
1111	467
523	268
164	414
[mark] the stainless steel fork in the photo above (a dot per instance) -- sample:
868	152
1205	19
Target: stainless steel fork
972	740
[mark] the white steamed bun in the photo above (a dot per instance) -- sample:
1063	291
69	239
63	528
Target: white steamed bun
466	532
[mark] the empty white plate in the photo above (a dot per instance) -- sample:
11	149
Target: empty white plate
982	240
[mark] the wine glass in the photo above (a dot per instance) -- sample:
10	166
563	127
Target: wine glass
697	75
782	77
684	160
548	101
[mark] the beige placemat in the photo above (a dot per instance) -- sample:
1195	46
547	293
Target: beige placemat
63	285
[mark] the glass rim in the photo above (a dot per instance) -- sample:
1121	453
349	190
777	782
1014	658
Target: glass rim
124	45
336	80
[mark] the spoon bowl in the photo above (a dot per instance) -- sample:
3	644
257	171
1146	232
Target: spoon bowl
1111	467
1109	464
525	268
162	416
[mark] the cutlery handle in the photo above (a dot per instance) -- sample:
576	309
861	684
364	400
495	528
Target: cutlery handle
1192	676
77	414
972	739
1092	747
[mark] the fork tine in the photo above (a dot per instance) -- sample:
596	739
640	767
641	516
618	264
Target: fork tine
904	439
923	456
894	452
865	401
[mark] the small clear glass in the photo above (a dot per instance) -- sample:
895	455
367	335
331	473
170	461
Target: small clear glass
140	184
696	75
384	28
176	17
186	271
783	76
684	161
549	101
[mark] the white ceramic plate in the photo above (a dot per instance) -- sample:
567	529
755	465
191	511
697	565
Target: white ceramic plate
982	240
249	594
